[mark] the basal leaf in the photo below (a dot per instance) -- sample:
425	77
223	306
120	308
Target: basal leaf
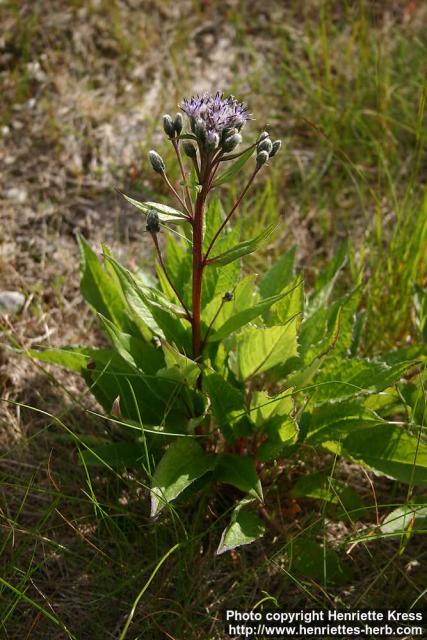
115	454
409	517
336	421
349	377
240	472
228	403
391	451
245	527
98	289
182	464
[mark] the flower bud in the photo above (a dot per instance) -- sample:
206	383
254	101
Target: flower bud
190	150
227	132
200	130
212	140
232	142
153	222
263	136
275	148
168	126
265	145
261	158
156	162
177	123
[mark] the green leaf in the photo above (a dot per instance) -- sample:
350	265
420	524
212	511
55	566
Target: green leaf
336	421
260	349
116	454
408	517
391	451
346	378
279	275
99	289
184	368
264	407
182	464
71	358
229	174
326	280
240	472
228	403
309	559
242	249
166	214
241	318
140	355
245	527
291	305
321	486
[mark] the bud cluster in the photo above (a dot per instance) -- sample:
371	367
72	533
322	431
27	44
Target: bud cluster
172	127
266	149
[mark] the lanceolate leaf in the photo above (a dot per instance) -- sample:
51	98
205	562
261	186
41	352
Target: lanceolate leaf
166	214
182	464
229	174
408	517
241	249
243	317
98	288
279	275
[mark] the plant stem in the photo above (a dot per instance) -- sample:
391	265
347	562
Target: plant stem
181	166
233	209
198	271
176	194
162	264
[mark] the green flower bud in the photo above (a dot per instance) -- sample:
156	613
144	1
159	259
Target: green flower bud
200	130
156	162
190	150
212	140
177	123
168	126
263	136
265	145
261	158
275	148
232	142
153	221
227	133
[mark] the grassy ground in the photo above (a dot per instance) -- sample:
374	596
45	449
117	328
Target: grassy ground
84	85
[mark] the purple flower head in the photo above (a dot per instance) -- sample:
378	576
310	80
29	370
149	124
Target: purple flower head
218	114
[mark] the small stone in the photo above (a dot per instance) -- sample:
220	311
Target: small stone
11	302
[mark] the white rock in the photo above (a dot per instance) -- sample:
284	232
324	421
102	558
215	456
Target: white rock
11	302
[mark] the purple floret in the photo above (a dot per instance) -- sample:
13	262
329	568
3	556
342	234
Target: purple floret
216	112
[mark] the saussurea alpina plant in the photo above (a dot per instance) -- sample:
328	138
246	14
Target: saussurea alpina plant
218	377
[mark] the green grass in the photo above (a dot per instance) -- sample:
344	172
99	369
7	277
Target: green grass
345	89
